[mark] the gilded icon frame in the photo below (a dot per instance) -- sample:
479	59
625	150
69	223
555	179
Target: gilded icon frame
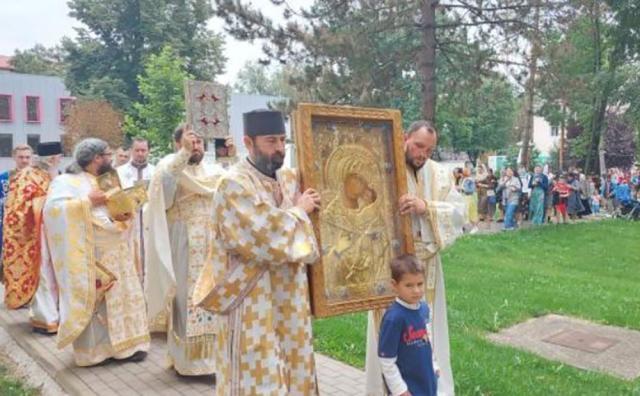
315	172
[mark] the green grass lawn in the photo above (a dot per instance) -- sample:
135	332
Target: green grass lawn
12	387
588	270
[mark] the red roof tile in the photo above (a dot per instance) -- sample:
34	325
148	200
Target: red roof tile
4	63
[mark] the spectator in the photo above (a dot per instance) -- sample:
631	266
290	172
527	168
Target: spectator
561	193
500	195
491	183
481	189
596	198
574	204
522	213
469	191
538	184
511	188
623	192
585	194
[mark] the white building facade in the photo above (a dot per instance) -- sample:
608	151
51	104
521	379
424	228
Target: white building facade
32	110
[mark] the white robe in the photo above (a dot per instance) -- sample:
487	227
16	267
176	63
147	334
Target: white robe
178	245
437	229
43	312
129	175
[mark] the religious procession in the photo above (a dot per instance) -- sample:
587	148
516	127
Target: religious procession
229	198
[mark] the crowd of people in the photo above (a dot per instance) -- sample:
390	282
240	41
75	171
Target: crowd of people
516	195
217	260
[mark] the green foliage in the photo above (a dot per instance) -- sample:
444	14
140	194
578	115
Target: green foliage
496	281
479	120
162	106
590	64
39	60
119	36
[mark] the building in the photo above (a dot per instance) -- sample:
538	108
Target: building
546	138
31	110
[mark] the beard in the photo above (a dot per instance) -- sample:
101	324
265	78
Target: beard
104	168
412	162
196	158
269	164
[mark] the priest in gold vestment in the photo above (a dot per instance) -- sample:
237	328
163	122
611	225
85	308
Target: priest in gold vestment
258	282
178	245
437	213
102	307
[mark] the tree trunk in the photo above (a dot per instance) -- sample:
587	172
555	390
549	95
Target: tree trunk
563	132
531	86
427	59
599	100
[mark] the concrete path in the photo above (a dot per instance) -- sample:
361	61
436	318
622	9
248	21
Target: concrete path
150	377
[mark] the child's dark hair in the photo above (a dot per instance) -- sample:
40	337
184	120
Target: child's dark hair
405	264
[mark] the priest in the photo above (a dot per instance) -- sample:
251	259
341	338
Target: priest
437	213
137	170
22	228
102	307
22	157
263	240
178	235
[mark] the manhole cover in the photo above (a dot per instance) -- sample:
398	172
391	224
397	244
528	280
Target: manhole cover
582	341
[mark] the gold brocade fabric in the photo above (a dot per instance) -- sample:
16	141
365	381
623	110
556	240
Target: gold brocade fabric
261	243
21	235
195	211
126	308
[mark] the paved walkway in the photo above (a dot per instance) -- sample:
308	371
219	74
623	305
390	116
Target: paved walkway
150	377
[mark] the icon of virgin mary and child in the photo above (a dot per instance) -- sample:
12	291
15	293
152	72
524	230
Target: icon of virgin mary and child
354	233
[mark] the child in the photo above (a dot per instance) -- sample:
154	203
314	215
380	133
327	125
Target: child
561	193
595	202
404	348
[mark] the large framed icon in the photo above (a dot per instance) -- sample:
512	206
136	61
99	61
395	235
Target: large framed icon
354	157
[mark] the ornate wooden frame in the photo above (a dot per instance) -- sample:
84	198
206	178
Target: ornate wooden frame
302	120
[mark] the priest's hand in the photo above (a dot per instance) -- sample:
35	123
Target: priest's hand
412	205
231	147
97	198
309	200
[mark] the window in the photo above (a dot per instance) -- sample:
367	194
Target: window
63	108
6	110
6	144
33	109
554	131
33	141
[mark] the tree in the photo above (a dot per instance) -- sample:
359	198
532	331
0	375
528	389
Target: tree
619	142
355	51
120	35
593	62
91	118
162	106
39	60
480	121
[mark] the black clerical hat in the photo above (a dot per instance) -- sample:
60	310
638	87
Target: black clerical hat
46	149
263	122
